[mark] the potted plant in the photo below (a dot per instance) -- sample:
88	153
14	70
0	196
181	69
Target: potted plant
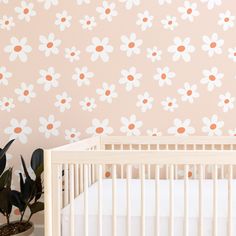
26	198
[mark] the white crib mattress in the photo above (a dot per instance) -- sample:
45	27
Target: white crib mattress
222	208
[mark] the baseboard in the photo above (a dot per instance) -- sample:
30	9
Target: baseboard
39	230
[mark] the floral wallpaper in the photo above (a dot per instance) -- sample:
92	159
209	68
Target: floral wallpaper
72	69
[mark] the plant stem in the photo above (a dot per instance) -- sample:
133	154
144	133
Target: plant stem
8	219
29	217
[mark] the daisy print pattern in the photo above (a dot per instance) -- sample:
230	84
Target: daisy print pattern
212	3
88	23
169	104
164	76
169	23
181	128
49	126
100	49
63	102
212	45
4	75
99	128
25	92
49	45
107	11
6	23
144	20
72	135
188	92
212	78
130	78
18	130
130	126
88	104
162	2
154	132
154	54
63	20
18	49
188	11
72	54
226	20
131	44
212	126
6	104
226	102
145	102
82	76
181	49
232	54
232	132
107	93
80	2
49	3
130	3
48	78
25	11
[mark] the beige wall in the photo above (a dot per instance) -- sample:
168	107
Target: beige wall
31	64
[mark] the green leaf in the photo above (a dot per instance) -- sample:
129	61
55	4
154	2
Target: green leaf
36	207
37	161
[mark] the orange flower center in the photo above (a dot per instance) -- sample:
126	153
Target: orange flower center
131	126
226	19
63	101
213	126
235	54
170	104
88	104
107	174
1	76
17	48
145	19
130	77
213	45
81	76
163	76
226	101
190	174
63	19
6	104
189	11
99	130
189	92
108	11
181	130
26	92
72	135
145	101
170	22
181	48
88	22
50	126
50	45
26	11
154	54
99	48
7	22
18	130
212	78
108	92
48	77
131	45
72	54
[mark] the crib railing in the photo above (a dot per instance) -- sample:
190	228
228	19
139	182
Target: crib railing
70	171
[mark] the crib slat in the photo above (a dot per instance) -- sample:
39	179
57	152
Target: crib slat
114	223
100	200
186	170
76	180
215	201
89	174
143	200
121	171
222	172
171	223
200	200
66	191
157	177
86	200
230	232
81	178
128	177
72	196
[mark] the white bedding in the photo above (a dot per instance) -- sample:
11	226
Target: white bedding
150	208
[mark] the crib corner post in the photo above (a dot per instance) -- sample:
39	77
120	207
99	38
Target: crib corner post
47	193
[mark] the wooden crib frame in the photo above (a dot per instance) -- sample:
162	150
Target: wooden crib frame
83	164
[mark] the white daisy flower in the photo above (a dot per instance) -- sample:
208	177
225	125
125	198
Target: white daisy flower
100	49
145	102
144	20
169	23
232	54
88	22
107	11
212	126
169	104
18	130
226	102
18	49
99	128
212	45
162	2
232	132
25	92
226	20
82	76
154	132
107	92
181	128
130	44
189	92
130	78
48	78
63	102
63	20
164	76
6	22
49	126
130	3
49	45
213	78
181	172
25	11
88	104
72	135
6	104
181	49
80	2
131	125
188	11
72	54
4	75
48	3
212	3
154	54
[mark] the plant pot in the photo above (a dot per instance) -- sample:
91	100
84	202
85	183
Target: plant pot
28	232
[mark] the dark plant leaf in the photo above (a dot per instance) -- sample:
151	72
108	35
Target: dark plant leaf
36	207
4	150
37	161
21	183
3	161
4	179
17	201
5	204
39	188
9	179
24	167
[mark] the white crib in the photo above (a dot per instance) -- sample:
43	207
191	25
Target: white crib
162	186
